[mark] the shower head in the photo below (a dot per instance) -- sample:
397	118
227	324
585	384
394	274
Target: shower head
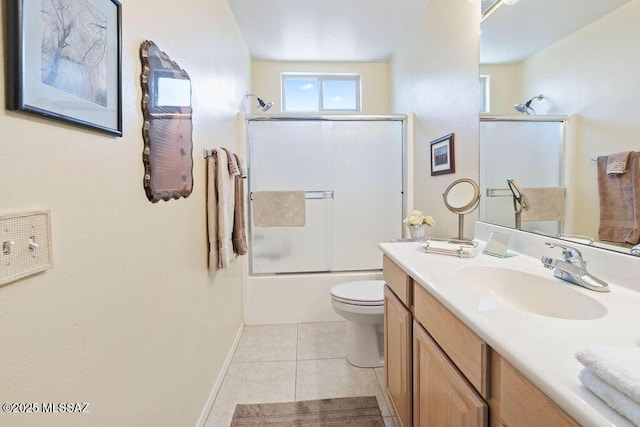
526	107
264	107
261	104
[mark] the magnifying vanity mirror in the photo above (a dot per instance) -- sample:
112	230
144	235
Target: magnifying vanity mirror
462	197
584	57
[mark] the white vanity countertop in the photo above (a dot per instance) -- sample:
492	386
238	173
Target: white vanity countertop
541	347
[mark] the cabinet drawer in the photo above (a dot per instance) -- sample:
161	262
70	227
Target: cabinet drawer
462	345
397	280
523	404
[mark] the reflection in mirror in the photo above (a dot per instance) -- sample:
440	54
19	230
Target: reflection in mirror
462	197
529	151
583	55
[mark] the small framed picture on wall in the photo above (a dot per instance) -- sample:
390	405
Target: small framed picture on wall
443	155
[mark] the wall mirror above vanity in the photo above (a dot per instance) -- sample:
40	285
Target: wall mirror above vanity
584	58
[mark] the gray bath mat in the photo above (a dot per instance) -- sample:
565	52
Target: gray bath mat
336	412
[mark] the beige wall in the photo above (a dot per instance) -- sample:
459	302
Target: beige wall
129	319
434	74
266	81
595	74
504	88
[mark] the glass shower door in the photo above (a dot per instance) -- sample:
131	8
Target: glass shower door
367	178
291	156
351	172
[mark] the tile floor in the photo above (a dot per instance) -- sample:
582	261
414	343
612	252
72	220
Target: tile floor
282	363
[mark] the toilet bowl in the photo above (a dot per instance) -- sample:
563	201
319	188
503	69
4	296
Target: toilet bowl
362	305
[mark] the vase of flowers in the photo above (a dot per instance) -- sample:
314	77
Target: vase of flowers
417	223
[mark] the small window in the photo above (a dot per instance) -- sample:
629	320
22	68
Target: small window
321	93
484	94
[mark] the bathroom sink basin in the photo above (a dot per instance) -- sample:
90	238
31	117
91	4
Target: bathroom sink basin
532	293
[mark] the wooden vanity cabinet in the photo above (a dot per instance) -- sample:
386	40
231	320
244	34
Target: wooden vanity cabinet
438	372
520	403
398	340
397	356
442	395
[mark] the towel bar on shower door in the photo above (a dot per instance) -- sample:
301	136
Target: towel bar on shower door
311	195
499	192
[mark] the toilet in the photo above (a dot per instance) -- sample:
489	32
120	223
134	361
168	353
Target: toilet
361	303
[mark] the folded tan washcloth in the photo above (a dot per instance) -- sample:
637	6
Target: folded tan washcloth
278	208
617	163
545	204
620	202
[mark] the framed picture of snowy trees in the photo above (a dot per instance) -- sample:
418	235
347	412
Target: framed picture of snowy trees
65	61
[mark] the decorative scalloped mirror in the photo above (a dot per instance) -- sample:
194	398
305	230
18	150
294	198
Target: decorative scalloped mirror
167	128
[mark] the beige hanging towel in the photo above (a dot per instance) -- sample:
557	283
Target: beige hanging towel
212	213
278	208
620	202
220	209
545	204
239	236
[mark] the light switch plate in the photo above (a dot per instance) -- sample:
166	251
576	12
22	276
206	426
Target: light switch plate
26	245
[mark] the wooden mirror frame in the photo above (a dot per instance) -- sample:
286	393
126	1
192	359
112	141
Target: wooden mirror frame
167	127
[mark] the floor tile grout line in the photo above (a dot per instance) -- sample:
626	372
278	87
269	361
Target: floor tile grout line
262	361
295	378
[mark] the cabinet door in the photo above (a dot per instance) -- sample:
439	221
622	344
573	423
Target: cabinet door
522	404
397	355
441	395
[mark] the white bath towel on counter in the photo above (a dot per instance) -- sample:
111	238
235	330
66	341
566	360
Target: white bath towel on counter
618	366
612	397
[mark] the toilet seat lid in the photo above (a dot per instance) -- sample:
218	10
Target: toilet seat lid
366	292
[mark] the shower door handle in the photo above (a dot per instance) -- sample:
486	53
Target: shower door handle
318	194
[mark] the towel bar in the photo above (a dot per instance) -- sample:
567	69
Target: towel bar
499	192
208	153
311	195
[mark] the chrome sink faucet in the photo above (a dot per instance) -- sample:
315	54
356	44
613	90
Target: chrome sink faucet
573	268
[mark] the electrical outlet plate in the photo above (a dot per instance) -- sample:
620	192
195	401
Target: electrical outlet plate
26	245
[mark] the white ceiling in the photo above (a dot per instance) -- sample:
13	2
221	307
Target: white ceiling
325	30
515	32
370	30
